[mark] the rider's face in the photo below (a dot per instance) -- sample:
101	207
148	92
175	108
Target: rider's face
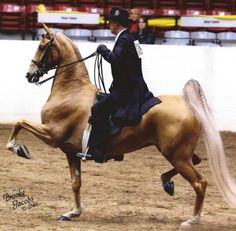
114	26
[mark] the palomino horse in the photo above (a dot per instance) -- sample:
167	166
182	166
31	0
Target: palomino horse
174	126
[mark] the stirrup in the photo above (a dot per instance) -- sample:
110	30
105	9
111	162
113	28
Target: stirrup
84	156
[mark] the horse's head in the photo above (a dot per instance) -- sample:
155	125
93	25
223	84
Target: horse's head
46	57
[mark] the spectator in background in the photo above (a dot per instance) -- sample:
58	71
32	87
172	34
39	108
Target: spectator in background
144	35
134	16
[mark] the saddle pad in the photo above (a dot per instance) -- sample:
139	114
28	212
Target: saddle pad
149	104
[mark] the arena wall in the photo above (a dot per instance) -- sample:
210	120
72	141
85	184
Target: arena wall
166	70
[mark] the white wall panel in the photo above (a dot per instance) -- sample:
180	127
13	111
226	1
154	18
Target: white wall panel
166	69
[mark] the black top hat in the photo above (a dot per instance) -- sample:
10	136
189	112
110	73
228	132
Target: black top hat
119	15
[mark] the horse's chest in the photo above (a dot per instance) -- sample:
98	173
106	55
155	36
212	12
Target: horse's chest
56	111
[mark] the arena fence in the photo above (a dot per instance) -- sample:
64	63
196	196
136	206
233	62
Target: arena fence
166	70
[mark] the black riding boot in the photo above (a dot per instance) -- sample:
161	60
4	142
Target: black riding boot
100	126
97	144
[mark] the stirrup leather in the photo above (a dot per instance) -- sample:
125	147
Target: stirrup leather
85	139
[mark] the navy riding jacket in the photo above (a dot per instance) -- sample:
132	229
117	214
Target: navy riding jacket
128	90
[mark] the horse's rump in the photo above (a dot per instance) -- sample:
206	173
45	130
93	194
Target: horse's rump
162	125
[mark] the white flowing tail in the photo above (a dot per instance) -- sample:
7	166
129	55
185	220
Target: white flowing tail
195	98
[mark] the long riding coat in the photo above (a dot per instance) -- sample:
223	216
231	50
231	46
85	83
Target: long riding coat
129	92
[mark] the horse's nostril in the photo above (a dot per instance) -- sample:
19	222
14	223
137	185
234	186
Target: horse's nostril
35	79
28	76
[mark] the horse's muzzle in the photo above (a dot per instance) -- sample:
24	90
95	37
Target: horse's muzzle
32	78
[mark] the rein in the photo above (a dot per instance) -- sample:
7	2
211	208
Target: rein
99	76
65	65
43	70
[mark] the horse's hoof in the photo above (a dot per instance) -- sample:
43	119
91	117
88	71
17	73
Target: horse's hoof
169	187
64	218
189	223
22	151
185	225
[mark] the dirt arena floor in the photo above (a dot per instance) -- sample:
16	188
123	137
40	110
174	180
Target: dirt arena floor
116	196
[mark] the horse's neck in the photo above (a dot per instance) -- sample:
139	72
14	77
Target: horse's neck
71	77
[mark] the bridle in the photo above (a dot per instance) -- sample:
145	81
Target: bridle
41	64
43	68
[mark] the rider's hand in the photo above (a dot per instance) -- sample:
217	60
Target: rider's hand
101	48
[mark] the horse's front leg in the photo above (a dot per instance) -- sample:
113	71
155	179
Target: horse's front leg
39	130
75	172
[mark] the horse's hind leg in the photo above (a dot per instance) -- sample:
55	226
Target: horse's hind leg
39	130
167	183
184	166
75	172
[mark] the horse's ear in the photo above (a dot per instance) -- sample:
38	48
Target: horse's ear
47	29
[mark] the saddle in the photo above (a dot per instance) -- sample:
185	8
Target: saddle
113	128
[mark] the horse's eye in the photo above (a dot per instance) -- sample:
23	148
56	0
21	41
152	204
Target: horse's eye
41	47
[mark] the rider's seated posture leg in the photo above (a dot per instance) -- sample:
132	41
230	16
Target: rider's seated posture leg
100	127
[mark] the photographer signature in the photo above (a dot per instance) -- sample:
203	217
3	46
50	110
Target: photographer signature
20	200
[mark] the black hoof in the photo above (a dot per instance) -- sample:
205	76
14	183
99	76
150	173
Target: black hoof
119	157
64	218
22	151
169	187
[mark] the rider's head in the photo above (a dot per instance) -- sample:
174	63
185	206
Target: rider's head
118	19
